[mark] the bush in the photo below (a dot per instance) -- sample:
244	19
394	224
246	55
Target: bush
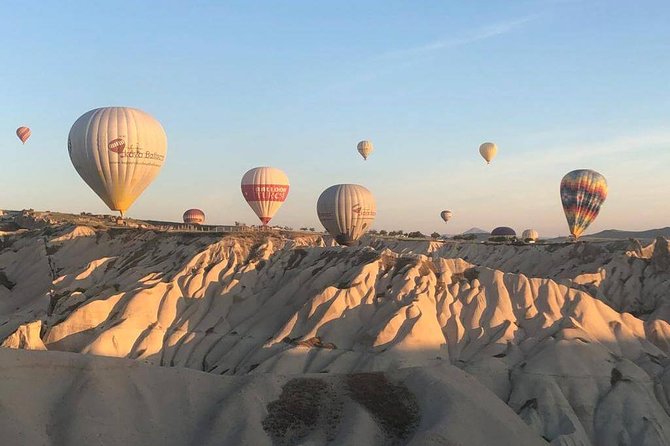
435	235
416	234
502	238
465	237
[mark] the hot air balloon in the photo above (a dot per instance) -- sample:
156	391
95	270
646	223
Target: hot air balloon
530	234
503	231
265	189
117	151
446	215
583	191
23	133
194	217
365	148
488	151
346	211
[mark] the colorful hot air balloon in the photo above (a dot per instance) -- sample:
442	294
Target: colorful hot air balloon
583	191
346	211
365	148
23	133
265	189
446	215
194	217
117	151
488	151
530	234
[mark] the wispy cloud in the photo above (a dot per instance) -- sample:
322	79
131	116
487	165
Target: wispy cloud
395	60
483	33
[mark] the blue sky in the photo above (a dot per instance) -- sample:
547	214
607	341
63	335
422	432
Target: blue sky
558	85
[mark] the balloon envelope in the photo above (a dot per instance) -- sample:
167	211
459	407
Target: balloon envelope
23	133
194	217
117	151
446	215
346	211
365	148
488	151
583	191
530	234
503	231
265	189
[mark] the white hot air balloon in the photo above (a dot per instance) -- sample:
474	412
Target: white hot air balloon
530	234
346	211
365	148
118	151
488	151
265	189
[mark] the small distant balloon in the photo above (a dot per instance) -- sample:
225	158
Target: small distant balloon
365	148
530	234
23	133
583	191
488	151
503	231
446	215
265	189
346	211
194	217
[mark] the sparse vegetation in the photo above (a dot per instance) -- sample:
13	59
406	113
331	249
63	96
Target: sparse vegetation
501	239
393	406
416	234
304	403
465	237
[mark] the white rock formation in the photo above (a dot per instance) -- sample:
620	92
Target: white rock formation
571	340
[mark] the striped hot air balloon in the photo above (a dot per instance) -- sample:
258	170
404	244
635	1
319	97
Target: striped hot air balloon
365	148
23	133
583	191
265	189
346	211
194	217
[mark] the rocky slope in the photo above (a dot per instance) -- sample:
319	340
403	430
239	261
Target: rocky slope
560	343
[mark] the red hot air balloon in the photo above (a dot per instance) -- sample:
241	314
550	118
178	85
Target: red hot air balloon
194	217
265	189
23	133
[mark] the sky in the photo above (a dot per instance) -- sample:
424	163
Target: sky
558	85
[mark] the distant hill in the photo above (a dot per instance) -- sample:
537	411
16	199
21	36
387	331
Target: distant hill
617	234
475	231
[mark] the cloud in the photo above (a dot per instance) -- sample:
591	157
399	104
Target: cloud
392	61
483	33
